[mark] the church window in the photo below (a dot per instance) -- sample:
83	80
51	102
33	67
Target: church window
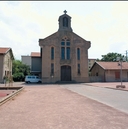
68	53
63	53
78	53
52	53
78	68
65	50
68	43
63	42
52	68
65	22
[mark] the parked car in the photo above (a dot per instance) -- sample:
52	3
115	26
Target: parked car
32	79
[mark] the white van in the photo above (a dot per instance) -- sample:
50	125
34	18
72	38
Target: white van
32	79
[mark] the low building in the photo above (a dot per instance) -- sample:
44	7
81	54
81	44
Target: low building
34	62
6	58
109	72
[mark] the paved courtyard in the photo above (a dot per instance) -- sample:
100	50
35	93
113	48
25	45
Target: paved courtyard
55	107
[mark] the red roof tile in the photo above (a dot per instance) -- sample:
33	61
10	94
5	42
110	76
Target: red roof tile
113	65
35	54
4	50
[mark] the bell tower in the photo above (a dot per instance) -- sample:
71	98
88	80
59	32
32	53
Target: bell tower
65	22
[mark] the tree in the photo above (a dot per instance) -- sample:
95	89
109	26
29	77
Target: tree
19	70
111	57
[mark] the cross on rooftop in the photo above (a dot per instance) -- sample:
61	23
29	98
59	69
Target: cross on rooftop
65	11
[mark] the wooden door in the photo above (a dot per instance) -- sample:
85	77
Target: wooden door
65	73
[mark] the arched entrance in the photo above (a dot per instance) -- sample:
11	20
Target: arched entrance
65	73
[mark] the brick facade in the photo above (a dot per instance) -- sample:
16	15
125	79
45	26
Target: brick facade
65	55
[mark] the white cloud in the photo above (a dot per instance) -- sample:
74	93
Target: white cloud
102	23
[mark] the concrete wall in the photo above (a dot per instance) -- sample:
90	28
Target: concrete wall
36	64
26	60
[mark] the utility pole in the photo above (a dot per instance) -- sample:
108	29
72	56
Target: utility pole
126	56
120	59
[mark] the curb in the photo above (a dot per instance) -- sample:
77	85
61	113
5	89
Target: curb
115	88
7	98
106	87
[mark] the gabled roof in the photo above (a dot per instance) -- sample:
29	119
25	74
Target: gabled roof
57	34
111	65
80	37
4	50
35	54
50	36
91	59
64	15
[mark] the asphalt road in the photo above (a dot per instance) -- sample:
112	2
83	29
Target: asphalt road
111	97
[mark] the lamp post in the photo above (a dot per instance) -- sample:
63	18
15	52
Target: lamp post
126	56
120	59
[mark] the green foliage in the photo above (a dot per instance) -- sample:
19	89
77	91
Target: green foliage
111	57
97	59
19	70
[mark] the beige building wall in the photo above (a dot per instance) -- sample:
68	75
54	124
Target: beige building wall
8	64
5	65
97	74
1	68
55	41
110	75
97	71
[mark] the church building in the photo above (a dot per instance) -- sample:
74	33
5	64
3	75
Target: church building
64	55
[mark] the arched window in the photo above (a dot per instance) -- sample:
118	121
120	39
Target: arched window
52	53
65	22
78	53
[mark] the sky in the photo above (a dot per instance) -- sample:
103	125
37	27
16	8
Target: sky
103	23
